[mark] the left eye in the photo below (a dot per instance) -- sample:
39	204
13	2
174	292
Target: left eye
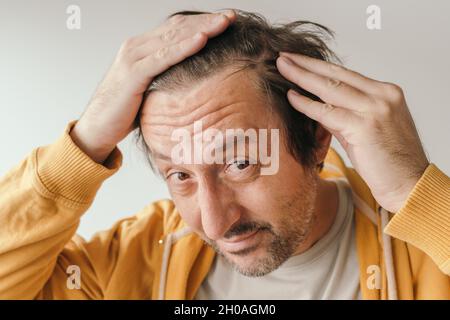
238	165
241	164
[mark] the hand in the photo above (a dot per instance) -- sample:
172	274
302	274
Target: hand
369	118
110	115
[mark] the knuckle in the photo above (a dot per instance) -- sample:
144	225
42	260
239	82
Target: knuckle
326	110
328	107
169	35
333	83
393	92
335	69
161	52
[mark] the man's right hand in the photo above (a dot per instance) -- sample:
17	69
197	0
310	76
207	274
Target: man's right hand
110	115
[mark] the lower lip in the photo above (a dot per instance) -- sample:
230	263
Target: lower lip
235	246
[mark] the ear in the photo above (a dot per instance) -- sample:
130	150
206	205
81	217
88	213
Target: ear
323	138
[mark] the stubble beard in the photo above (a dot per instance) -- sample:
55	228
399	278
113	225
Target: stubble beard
294	227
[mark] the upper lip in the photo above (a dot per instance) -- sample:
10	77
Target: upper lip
241	237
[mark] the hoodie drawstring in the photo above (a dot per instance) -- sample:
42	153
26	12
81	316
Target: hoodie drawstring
170	239
389	261
387	248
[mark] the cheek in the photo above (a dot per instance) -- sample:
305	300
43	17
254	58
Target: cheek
270	197
190	212
260	200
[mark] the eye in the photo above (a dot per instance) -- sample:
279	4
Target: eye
180	183
241	164
179	176
242	170
238	166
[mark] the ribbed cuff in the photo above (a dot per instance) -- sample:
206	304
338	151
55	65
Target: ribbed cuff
424	220
65	173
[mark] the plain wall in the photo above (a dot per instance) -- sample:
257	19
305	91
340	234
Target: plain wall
48	73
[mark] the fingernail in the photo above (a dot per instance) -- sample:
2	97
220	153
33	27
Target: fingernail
229	13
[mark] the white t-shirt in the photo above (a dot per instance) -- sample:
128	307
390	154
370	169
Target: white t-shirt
328	270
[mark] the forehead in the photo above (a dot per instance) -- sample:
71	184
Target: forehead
230	99
212	94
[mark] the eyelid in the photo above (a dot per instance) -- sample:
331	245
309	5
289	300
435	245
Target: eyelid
250	166
235	159
174	169
234	162
243	158
169	174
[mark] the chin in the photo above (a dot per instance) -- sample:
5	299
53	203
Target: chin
247	254
253	261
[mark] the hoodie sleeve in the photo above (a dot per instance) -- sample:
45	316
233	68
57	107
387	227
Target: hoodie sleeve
41	202
424	220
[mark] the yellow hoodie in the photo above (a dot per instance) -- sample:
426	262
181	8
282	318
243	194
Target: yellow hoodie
155	255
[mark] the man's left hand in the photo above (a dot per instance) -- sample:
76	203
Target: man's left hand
369	118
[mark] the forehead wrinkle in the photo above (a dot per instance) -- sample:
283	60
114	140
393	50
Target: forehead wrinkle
185	101
158	145
183	121
209	120
166	131
215	111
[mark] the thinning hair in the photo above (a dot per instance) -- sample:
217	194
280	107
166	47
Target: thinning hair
253	43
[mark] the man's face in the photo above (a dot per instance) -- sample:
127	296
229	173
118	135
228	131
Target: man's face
255	221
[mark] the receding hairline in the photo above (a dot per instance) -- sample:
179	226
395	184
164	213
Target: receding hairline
260	49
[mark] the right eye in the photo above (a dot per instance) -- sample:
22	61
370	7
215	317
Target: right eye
178	176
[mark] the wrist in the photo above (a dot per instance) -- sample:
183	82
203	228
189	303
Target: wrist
87	142
396	200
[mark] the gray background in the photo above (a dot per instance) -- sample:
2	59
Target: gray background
48	73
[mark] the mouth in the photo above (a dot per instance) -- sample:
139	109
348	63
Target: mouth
242	242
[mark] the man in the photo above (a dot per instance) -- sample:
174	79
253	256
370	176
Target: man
313	229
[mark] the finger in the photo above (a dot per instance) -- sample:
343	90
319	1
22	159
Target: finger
331	91
165	57
333	118
180	27
210	24
195	21
334	71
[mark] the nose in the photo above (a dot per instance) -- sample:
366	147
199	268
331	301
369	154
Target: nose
217	209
